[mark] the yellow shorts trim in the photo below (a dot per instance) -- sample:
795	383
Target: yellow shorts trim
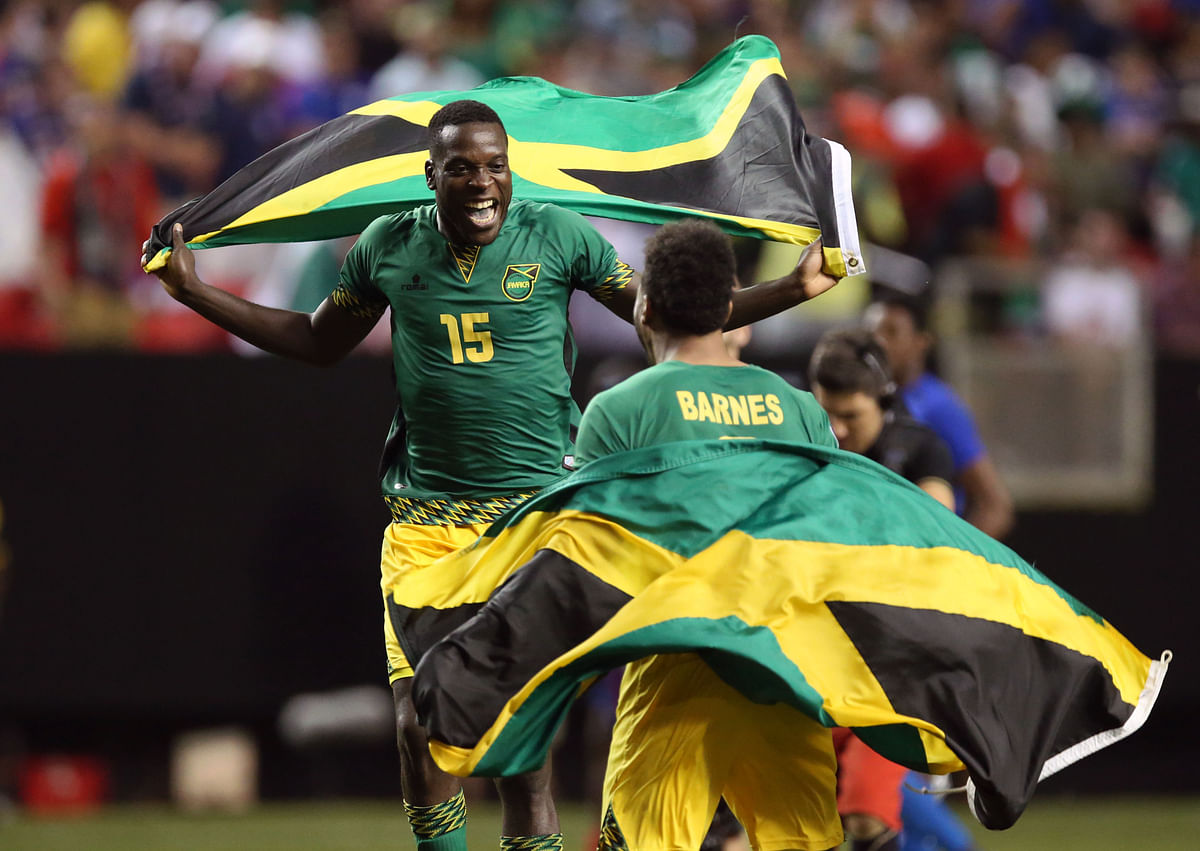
683	738
408	547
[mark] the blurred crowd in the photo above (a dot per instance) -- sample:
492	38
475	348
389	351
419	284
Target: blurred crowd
1056	135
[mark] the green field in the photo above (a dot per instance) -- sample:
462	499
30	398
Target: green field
1050	824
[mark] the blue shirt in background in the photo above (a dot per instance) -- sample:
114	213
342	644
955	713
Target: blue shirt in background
931	401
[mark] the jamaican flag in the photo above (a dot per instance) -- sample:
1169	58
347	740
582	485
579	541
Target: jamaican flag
802	575
727	144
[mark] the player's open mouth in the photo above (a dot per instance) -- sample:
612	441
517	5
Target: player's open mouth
482	213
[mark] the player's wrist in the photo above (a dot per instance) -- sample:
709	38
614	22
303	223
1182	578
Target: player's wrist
187	288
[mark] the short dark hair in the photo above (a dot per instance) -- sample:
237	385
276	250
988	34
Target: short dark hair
851	360
460	112
689	275
915	306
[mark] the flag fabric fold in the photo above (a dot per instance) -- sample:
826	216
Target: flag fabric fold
728	144
802	575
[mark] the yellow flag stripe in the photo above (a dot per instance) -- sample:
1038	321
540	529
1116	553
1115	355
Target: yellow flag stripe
415	111
544	162
321	190
928	578
609	551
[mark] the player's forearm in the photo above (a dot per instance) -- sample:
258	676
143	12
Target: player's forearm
807	280
287	333
992	519
989	504
766	299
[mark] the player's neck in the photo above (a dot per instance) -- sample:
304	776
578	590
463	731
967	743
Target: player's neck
703	350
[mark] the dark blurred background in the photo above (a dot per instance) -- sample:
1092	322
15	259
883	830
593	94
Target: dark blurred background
189	533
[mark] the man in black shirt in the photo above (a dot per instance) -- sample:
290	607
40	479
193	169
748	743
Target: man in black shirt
850	377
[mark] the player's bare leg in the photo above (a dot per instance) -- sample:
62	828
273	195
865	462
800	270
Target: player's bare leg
528	806
435	806
433	799
423	782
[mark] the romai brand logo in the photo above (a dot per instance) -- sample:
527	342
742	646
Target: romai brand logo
519	280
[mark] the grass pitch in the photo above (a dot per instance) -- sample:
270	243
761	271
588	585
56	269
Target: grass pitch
1050	824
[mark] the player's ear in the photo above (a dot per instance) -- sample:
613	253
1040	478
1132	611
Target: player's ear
429	173
642	311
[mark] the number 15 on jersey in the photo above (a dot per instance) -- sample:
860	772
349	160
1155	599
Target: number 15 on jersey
466	339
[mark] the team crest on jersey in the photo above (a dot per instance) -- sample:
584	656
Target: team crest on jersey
519	279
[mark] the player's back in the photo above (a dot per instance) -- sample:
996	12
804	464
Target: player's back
674	401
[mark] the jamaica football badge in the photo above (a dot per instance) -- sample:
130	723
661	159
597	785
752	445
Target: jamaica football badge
519	280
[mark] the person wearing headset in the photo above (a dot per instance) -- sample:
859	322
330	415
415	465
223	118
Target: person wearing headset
849	375
851	379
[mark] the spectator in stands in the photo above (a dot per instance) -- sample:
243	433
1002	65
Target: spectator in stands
99	198
424	63
1091	295
171	116
1176	295
264	33
21	319
98	47
249	100
341	85
1087	173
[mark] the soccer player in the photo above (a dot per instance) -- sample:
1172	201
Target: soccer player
478	285
683	737
900	323
849	375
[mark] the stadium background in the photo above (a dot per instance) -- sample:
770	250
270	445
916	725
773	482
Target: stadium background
189	534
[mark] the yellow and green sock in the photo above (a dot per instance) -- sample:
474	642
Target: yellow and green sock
440	827
541	842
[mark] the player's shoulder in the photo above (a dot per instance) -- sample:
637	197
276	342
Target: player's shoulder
936	390
912	430
631	385
393	224
916	440
545	215
639	387
540	209
771	376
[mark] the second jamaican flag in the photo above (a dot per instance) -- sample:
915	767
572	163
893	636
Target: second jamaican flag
802	575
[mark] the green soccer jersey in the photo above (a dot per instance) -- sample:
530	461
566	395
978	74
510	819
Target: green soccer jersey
674	401
482	348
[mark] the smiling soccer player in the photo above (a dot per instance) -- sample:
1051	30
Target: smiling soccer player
478	286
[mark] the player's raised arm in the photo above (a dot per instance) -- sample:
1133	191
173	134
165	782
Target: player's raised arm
750	304
807	280
322	337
